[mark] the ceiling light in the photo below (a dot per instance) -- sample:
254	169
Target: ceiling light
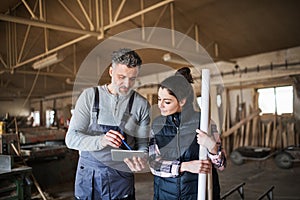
50	60
169	58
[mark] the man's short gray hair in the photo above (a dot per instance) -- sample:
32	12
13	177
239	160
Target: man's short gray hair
126	57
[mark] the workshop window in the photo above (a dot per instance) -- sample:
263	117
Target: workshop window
36	118
50	114
276	99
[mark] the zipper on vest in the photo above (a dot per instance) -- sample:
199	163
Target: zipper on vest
178	155
178	143
176	123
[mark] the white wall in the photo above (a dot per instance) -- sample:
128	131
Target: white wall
291	55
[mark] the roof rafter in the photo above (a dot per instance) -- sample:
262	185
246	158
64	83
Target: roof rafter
99	32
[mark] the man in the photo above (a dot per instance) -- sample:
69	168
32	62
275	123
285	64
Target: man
106	117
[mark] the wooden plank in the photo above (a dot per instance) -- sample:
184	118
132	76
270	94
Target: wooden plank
259	131
247	135
279	135
242	136
284	139
227	144
237	110
242	129
263	133
228	116
248	128
255	99
268	134
238	125
254	140
291	134
235	139
274	138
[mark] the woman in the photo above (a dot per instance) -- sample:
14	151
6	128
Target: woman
174	148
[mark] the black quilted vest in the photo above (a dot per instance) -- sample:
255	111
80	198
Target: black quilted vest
175	136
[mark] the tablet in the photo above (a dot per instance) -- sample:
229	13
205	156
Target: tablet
120	155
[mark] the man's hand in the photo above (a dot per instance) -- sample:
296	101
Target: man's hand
136	164
113	138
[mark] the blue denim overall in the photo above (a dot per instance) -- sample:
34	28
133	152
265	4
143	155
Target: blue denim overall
97	176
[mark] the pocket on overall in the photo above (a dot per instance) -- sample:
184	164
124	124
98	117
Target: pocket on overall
84	182
122	182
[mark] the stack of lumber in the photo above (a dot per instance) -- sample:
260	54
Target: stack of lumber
272	131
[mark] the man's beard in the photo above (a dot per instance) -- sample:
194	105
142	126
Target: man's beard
117	89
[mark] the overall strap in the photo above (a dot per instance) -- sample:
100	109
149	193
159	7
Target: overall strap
96	104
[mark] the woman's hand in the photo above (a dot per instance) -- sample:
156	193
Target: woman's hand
206	141
218	161
196	166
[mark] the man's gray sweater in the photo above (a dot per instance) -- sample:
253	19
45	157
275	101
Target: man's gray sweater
111	113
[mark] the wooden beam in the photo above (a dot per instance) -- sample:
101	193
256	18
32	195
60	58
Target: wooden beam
242	122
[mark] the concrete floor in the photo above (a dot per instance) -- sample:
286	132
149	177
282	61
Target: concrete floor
258	176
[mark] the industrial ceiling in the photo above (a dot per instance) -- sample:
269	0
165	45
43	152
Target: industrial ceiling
32	30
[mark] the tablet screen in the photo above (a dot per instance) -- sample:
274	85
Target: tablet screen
120	155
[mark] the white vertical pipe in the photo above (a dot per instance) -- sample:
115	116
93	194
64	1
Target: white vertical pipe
204	127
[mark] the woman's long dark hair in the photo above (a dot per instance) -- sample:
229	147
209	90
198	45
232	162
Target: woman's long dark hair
186	73
179	86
